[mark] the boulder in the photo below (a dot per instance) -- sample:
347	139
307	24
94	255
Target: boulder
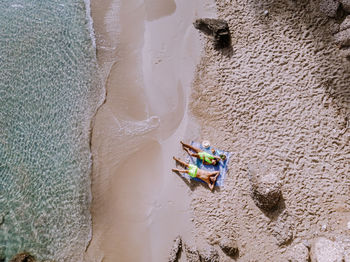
229	247
191	253
176	250
342	38
329	7
265	188
217	29
283	232
298	253
346	5
23	257
209	255
325	250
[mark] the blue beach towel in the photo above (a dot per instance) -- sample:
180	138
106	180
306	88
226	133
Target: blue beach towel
221	166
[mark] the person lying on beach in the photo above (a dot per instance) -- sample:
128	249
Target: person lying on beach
206	158
206	176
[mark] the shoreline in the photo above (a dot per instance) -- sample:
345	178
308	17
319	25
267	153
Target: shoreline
140	124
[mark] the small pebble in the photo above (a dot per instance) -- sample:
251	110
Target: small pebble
266	13
349	225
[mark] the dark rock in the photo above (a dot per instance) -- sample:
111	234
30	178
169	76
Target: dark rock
265	188
329	7
229	246
176	250
192	254
23	257
346	5
2	254
217	29
209	255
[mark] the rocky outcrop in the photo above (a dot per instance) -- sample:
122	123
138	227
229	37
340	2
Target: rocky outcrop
191	253
329	7
346	5
325	250
176	250
265	188
217	29
298	253
23	257
209	255
229	247
342	38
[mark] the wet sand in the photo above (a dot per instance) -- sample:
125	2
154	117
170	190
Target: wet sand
147	52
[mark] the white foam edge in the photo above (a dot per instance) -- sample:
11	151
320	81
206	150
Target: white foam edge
90	22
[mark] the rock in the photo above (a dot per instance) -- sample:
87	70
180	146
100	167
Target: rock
23	257
209	255
325	250
176	250
215	28
265	188
342	38
307	244
298	253
346	5
2	254
329	7
282	228
192	254
229	246
345	24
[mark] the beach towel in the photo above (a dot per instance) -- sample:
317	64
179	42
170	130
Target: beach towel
221	166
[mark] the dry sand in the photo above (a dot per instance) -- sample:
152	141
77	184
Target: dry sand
280	97
147	51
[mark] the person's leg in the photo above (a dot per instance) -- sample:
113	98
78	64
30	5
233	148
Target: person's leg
191	153
181	162
214	176
195	149
179	170
211	186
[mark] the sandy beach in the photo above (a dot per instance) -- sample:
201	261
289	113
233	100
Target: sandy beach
147	52
279	97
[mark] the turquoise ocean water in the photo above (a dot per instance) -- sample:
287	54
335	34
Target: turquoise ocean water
49	91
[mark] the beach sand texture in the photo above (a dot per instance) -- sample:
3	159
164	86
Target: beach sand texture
147	51
279	97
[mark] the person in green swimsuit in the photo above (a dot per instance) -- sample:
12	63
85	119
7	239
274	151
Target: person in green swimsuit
194	171
206	158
